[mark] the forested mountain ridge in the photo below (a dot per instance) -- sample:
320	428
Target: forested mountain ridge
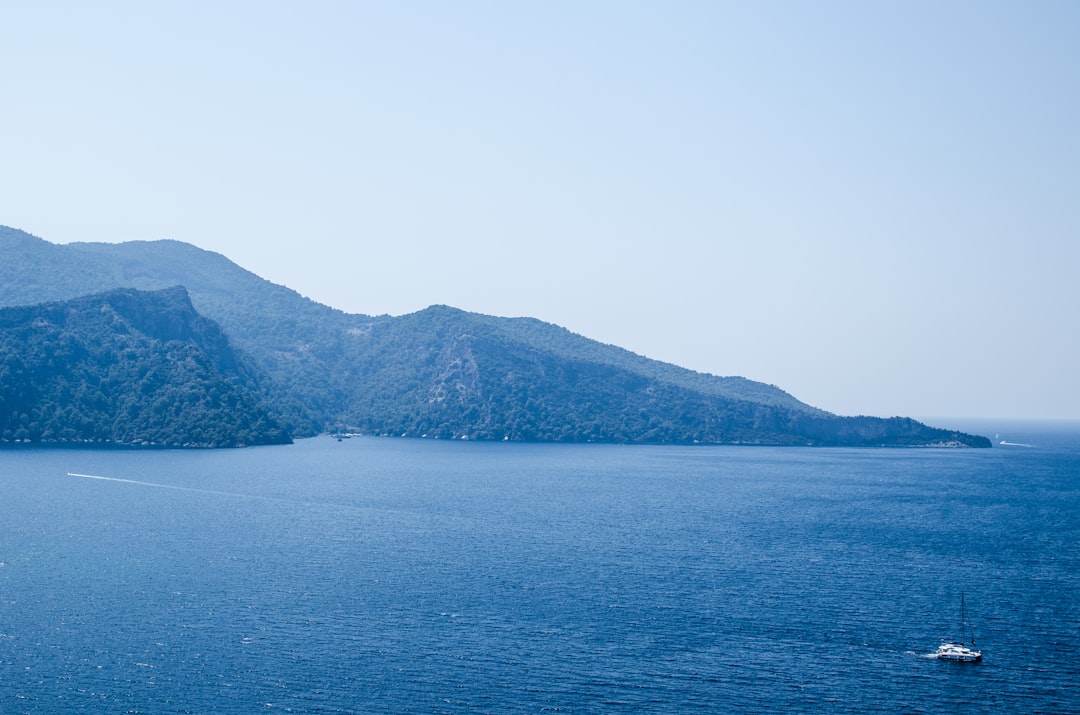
126	367
442	372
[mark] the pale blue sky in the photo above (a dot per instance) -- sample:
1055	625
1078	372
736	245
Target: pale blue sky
873	205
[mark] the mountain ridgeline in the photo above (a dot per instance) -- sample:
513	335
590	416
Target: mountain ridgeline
439	373
126	367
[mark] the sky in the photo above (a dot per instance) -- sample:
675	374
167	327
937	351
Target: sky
872	205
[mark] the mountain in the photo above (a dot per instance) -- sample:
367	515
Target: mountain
442	372
126	367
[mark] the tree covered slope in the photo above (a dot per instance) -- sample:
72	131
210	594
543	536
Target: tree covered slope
126	368
442	372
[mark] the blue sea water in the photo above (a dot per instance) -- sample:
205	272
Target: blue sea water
402	576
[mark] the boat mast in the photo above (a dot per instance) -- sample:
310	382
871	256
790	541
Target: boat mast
963	622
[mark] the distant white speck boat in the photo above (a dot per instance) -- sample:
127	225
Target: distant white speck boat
956	650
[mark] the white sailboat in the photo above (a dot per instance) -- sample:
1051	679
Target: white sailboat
956	650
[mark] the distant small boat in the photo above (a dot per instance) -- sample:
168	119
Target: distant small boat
956	650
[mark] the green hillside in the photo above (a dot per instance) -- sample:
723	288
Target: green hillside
441	371
126	368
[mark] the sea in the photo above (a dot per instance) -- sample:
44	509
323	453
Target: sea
379	575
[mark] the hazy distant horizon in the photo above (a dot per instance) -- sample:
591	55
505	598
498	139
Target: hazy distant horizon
870	206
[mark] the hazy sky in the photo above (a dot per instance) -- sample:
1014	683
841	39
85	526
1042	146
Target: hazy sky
873	205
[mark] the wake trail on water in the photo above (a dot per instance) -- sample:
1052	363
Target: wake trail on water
930	656
196	490
163	486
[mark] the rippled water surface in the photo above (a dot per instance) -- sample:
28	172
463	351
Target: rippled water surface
377	575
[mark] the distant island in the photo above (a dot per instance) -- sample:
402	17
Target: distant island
237	360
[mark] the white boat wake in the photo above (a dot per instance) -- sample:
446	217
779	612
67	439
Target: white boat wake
931	656
160	486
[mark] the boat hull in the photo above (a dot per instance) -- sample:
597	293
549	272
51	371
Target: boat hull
958	653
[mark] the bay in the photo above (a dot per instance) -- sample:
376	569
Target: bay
384	575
